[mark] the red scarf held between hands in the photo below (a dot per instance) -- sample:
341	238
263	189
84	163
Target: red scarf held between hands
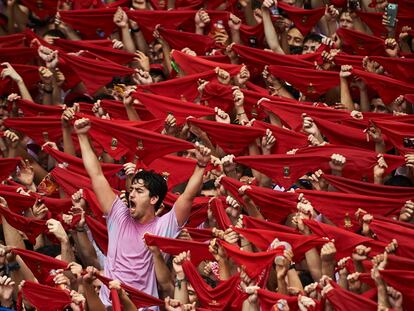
346	185
29	74
220	214
31	109
8	166
343	300
268	299
99	233
400	134
400	68
17	55
402	281
45	298
361	43
199	250
160	106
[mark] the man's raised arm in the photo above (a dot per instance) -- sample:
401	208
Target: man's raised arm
100	185
185	201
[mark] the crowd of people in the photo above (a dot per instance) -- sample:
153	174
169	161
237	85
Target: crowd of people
207	155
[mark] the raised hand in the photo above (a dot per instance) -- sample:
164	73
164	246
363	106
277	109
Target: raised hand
82	126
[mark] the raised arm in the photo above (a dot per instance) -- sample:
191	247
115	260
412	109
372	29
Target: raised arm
100	185
185	200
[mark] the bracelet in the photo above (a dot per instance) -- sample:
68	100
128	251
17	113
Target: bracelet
201	165
241	113
178	282
135	30
292	266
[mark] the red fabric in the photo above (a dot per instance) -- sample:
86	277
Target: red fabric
40	129
200	235
397	132
347	59
388	88
303	19
285	139
99	233
343	300
402	281
361	43
268	299
16	202
183	87
90	197
31	109
40	265
286	169
248	32
69	181
46	298
139	298
300	243
340	134
193	64
218	298
231	138
178	40
176	170
90	22
363	188
29	74
386	231
254	263
42	8
291	113
148	145
255	223
256	57
75	164
336	206
161	106
14	40
199	250
95	73
374	22
32	227
274	205
345	241
114	55
8	166
311	82
17	55
116	303
220	214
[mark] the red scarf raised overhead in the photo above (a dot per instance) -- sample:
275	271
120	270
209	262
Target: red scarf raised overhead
286	169
311	82
75	164
97	23
346	185
139	298
220	214
161	106
183	87
192	64
233	139
343	300
255	223
346	59
402	281
340	208
40	129
268	299
400	134
374	22
199	250
32	227
361	43
99	233
40	265
70	181
45	298
95	73
388	88
148	145
303	19
29	74
31	109
400	68
114	55
178	40
290	113
8	166
345	241
17	55
215	299
14	40
46	8
285	139
300	243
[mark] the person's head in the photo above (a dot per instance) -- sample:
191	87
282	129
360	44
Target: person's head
346	20
147	191
295	40
4	113
52	34
311	43
209	189
399	181
139	4
377	105
155	52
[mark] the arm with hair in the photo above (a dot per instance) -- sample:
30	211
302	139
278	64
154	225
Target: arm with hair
271	35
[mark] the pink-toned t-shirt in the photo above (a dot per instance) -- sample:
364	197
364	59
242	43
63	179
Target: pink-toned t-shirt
128	258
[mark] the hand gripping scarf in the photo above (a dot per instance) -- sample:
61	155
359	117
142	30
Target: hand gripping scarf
361	43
